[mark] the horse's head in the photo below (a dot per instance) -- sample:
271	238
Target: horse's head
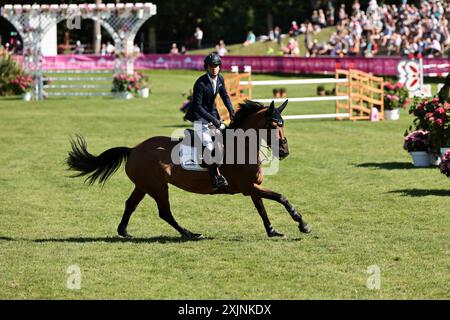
274	121
254	115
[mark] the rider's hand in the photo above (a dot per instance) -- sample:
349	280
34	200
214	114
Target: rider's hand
216	123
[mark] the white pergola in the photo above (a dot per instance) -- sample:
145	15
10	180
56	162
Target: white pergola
122	21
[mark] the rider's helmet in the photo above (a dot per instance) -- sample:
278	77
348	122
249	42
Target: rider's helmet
212	59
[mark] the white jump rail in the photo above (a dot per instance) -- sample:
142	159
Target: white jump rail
318	116
289	82
304	99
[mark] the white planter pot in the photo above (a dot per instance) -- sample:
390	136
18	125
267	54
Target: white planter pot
27	96
143	93
392	114
125	95
420	158
444	150
435	159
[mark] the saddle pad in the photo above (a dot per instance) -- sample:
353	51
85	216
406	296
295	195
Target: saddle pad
188	156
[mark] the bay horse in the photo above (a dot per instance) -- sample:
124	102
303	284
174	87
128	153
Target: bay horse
150	167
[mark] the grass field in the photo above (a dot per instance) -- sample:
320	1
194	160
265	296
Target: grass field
351	181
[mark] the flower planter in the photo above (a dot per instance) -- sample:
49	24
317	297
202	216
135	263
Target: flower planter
444	150
435	159
27	96
143	93
420	158
392	114
125	95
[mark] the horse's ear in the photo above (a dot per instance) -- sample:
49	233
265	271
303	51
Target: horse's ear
281	108
271	108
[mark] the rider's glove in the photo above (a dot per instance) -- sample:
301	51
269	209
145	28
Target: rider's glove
216	123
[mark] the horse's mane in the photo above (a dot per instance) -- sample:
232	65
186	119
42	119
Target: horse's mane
245	109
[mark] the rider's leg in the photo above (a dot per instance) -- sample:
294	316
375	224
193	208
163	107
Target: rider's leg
204	132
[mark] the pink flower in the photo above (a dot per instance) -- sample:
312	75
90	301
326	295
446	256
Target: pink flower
399	85
439	110
389	85
439	122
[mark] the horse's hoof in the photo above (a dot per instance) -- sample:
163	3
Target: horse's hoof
275	234
124	233
188	235
304	227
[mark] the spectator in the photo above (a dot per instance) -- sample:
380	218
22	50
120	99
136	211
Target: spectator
330	13
183	50
251	38
293	31
322	19
110	49
221	48
136	50
292	48
103	50
199	37
277	34
174	49
79	48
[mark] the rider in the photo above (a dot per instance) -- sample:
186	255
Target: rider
204	109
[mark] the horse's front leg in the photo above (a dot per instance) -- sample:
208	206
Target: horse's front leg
271	195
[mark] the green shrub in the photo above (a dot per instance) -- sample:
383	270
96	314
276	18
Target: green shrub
9	71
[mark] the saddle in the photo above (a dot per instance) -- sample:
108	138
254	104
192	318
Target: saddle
190	157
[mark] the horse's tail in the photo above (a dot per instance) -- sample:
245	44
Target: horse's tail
96	167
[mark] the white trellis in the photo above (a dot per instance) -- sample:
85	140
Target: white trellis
122	21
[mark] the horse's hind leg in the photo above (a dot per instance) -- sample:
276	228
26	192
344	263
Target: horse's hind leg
271	232
162	200
130	205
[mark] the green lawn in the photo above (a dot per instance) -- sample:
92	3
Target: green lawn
351	181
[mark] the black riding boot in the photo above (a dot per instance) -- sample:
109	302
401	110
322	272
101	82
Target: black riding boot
219	181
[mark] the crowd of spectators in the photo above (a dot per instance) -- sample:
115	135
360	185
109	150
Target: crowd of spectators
403	29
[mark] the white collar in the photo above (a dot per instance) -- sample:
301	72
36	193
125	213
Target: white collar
212	79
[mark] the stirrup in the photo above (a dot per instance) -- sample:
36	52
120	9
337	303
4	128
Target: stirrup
220	182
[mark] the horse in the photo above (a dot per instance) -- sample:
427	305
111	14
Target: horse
150	167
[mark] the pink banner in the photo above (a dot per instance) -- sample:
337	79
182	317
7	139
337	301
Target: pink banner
386	66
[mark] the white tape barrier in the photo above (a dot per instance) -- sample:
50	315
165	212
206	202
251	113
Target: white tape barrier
288	82
306	99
